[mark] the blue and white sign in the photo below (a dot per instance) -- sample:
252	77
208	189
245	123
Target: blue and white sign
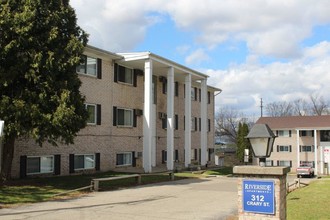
258	196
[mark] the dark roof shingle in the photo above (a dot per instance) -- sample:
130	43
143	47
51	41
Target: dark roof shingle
297	122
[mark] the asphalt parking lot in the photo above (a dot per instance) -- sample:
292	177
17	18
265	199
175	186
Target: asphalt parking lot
207	198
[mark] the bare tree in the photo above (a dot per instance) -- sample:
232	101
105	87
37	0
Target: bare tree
318	105
227	122
279	109
300	107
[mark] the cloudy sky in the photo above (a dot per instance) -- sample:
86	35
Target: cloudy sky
277	50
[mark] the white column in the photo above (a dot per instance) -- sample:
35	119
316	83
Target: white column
203	122
187	113
315	152
298	149
170	118
322	159
147	116
154	133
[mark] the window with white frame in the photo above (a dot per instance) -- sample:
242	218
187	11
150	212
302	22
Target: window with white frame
88	66
176	122
125	117
175	155
164	156
123	159
164	122
269	163
306	149
193	123
306	133
284	148
91	109
164	86
284	163
125	75
192	154
39	164
84	161
283	133
193	93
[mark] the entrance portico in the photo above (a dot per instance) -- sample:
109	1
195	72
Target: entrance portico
172	73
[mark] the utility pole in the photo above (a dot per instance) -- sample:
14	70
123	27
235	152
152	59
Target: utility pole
261	106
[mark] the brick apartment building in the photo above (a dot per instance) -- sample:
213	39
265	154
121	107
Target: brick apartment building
300	140
145	111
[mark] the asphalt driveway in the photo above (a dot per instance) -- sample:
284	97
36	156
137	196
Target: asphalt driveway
208	198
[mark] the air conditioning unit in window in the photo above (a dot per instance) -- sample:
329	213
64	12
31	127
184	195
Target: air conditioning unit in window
138	112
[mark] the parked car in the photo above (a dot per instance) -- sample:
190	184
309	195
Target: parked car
305	170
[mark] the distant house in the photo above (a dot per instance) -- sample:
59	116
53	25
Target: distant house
225	153
300	140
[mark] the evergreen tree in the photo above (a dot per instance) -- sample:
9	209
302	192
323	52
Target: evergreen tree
242	142
40	47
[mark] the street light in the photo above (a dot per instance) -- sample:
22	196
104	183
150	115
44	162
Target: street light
262	139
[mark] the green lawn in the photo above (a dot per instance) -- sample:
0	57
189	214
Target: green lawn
43	189
222	171
311	202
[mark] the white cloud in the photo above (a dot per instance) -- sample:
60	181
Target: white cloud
197	56
274	27
274	82
120	25
183	49
318	51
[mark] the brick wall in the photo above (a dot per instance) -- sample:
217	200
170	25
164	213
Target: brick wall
276	174
108	139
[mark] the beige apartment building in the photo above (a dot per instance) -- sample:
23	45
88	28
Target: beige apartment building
145	111
300	140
